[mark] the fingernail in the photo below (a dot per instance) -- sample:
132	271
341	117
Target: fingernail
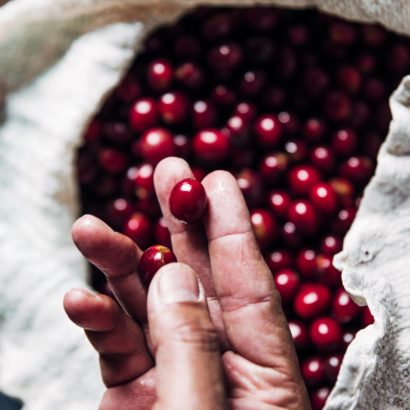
178	286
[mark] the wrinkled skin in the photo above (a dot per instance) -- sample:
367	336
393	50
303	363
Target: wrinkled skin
231	348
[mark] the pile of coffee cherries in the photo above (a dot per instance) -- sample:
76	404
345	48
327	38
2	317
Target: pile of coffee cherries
295	105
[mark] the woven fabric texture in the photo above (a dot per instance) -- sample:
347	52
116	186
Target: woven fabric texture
51	51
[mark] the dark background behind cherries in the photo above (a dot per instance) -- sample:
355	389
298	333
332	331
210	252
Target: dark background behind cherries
323	85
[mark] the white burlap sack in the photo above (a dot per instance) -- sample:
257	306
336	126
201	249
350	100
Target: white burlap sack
58	59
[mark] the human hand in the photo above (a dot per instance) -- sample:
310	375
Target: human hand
219	343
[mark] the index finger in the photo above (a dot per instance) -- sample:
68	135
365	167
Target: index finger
117	257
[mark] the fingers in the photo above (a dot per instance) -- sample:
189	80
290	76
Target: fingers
140	394
188	241
250	305
187	352
117	256
116	337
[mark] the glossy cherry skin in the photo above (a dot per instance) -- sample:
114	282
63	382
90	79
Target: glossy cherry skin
190	75
347	338
188	200
118	211
87	168
399	58
128	90
298	35
357	169
289	121
345	309
156	144
367	317
262	19
187	47
322	158
143	181
342	33
93	132
203	115
349	78
211	145
217	26
306	263
332	366
127	183
264	226
331	244
161	233
344	142
238	131
323	198
302	214
290	235
251	83
374	36
199	173
138	228
344	190
112	160
337	106
313	371
222	95
251	186
143	114
245	110
182	146
314	129
268	130
302	178
274	166
344	220
326	272
278	202
279	259
296	149
160	74
173	107
312	300
287	283
225	57
154	258
299	334
325	334
318	398
117	132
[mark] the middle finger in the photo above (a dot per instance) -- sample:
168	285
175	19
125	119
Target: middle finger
188	240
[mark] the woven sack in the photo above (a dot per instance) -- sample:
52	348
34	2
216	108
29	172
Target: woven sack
51	51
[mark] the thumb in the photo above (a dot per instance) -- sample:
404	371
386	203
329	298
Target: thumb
187	352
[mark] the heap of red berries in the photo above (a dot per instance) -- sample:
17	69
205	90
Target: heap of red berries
294	103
